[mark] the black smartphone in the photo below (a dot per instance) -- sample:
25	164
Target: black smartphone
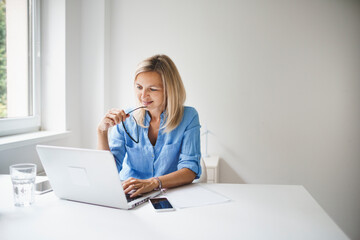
43	187
161	204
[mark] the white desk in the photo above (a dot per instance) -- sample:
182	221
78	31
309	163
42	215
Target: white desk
255	212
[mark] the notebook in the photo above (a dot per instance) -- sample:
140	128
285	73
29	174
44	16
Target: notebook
87	176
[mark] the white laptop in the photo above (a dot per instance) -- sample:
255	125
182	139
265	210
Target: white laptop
88	176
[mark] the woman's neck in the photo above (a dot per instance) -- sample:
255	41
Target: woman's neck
155	116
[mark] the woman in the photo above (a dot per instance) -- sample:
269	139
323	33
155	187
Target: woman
164	151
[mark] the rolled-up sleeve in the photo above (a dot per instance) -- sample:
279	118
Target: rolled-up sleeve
117	146
190	153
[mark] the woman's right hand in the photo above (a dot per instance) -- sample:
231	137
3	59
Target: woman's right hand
112	117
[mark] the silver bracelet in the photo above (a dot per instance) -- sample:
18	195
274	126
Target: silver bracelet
160	184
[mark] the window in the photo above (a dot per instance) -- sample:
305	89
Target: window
19	66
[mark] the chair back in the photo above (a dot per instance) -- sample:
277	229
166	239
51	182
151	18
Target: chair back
203	177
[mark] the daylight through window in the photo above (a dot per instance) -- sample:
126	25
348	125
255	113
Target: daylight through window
18	32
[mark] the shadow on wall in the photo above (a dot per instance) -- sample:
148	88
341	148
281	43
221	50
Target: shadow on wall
227	173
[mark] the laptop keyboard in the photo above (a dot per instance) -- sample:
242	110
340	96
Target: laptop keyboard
129	199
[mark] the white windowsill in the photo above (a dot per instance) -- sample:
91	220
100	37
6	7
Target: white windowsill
20	140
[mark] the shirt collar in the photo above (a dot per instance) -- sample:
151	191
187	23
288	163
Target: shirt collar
148	118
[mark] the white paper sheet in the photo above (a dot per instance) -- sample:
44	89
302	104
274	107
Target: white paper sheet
194	195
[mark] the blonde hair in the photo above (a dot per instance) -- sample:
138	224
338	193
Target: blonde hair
174	90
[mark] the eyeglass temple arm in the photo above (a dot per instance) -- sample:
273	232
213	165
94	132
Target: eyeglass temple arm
129	133
135	109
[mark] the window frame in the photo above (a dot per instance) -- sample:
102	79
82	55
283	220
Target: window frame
12	126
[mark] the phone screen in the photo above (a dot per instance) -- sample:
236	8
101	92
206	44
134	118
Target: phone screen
161	204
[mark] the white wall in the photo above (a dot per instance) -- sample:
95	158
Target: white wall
277	83
92	68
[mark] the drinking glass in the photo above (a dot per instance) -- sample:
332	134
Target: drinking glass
23	179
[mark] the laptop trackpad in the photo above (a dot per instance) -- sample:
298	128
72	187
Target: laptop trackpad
79	176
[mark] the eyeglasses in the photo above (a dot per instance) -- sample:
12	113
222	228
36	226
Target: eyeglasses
137	126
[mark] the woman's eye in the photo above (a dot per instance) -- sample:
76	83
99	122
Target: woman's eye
153	89
139	87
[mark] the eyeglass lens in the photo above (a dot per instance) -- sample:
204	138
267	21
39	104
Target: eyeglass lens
137	126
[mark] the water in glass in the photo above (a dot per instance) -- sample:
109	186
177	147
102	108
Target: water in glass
23	179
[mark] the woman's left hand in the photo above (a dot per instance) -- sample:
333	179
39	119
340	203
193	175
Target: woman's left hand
139	186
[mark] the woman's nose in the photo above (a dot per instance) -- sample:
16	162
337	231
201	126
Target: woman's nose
144	93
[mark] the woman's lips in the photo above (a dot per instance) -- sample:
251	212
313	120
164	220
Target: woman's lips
146	103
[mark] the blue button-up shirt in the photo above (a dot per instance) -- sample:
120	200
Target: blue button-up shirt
175	150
